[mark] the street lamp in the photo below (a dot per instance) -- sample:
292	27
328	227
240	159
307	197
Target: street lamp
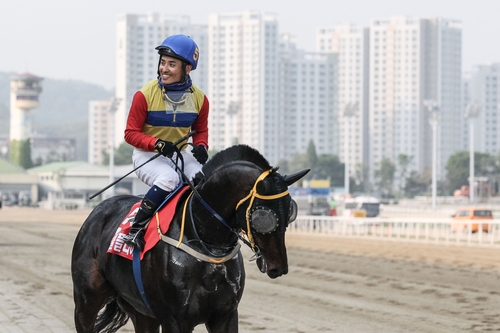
471	113
115	102
350	110
433	108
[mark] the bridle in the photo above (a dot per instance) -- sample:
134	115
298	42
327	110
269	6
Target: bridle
268	215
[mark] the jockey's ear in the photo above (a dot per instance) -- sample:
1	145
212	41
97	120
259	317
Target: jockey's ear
290	179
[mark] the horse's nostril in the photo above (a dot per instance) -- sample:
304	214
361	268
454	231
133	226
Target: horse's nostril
274	273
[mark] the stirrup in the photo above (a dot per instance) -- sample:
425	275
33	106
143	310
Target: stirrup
136	240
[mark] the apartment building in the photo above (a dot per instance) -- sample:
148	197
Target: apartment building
100	128
482	91
350	43
413	60
243	81
308	100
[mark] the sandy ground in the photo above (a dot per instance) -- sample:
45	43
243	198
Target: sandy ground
334	284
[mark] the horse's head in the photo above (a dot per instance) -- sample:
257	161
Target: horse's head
264	215
264	207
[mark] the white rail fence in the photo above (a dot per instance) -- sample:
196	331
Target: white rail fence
428	230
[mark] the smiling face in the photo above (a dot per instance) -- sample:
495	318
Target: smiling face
171	70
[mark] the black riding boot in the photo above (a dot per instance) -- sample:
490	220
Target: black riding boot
135	237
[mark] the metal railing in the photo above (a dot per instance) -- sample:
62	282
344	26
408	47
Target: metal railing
428	230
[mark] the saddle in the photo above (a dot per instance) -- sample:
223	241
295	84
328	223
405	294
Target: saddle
157	226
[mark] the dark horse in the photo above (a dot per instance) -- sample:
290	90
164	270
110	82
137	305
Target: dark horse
240	194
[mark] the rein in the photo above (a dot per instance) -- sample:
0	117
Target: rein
180	245
250	242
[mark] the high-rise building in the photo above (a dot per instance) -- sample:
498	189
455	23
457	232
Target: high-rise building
413	60
100	128
137	60
243	81
308	101
350	43
482	90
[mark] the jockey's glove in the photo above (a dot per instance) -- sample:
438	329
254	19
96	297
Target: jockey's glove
166	148
200	153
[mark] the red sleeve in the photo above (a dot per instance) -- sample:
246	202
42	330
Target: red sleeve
200	125
135	122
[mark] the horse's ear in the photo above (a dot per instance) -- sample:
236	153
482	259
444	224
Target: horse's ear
290	179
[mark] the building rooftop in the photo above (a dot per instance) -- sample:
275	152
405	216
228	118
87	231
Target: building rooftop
74	167
7	166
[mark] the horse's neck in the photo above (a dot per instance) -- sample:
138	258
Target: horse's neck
201	223
216	224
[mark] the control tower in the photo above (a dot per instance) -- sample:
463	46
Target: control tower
25	90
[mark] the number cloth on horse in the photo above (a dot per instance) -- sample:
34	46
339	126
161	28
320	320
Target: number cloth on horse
161	220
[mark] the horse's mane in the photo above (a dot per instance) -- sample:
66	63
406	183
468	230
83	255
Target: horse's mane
235	153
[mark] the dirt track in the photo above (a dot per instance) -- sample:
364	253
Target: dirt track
334	284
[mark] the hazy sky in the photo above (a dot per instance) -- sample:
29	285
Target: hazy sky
65	39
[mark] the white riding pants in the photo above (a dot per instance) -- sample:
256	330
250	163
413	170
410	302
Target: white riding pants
161	171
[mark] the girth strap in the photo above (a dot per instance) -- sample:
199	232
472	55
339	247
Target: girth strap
136	265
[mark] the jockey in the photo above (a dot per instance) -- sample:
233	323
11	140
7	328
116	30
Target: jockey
162	112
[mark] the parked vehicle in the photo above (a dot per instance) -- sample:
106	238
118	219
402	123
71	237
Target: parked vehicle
24	198
362	206
468	216
8	199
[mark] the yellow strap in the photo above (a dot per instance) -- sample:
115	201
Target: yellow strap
271	197
158	225
183	219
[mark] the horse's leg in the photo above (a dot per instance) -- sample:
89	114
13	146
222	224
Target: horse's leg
90	293
145	324
87	306
142	323
226	324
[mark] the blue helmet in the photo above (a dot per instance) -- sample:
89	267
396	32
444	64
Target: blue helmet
181	47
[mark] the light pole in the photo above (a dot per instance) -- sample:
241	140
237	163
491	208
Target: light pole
350	110
433	108
112	109
471	113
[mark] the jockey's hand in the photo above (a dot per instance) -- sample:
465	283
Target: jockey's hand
166	148
200	153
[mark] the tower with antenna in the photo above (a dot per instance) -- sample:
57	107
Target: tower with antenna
25	91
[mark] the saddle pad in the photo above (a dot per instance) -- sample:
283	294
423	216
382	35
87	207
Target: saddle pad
164	217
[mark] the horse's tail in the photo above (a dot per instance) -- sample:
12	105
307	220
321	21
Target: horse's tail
110	319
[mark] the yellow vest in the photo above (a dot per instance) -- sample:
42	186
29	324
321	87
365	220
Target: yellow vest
171	115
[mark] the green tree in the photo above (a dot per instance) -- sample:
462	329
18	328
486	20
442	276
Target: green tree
417	184
123	155
300	162
311	153
330	167
458	168
385	175
284	167
20	153
403	162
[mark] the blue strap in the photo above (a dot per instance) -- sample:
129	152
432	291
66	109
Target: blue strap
136	256
136	265
170	195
